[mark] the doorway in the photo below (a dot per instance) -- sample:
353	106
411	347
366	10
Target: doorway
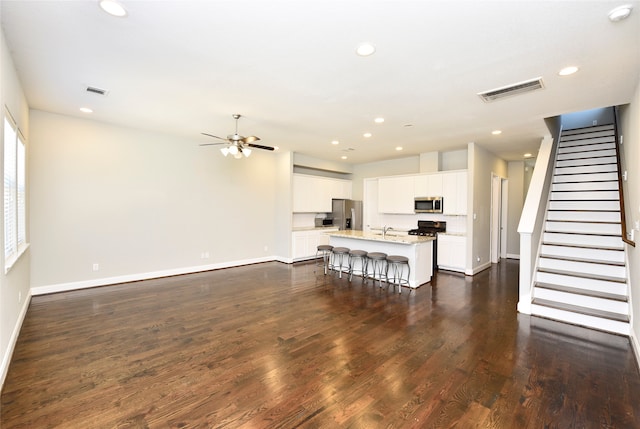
499	195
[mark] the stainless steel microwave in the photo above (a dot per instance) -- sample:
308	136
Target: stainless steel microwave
427	205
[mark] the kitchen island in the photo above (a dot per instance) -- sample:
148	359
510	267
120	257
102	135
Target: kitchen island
417	248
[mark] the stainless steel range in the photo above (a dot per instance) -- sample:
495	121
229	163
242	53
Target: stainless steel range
430	228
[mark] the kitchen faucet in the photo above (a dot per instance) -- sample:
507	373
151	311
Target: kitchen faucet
384	230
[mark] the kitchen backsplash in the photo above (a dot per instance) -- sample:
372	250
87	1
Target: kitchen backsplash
455	224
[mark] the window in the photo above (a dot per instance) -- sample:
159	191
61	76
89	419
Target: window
14	193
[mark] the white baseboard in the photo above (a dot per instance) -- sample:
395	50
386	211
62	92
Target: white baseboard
635	345
6	361
512	256
476	270
85	284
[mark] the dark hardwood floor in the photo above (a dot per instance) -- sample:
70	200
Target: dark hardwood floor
279	346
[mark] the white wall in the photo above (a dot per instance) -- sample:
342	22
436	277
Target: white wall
482	164
140	203
14	285
630	121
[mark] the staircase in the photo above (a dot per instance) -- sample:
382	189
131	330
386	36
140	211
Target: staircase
581	277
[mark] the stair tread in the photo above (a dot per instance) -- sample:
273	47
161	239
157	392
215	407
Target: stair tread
584	292
582	275
583	246
582	210
584	260
598	234
584	157
582	310
584	221
584	181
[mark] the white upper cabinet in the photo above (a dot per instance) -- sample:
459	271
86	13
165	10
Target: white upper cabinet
396	194
454	193
313	194
435	186
427	185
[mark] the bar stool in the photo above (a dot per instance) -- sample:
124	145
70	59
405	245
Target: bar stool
396	264
324	251
378	264
356	256
340	258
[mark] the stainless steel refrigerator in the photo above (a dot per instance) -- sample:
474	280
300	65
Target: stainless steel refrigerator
347	214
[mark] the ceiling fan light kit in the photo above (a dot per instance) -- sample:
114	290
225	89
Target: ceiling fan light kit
236	144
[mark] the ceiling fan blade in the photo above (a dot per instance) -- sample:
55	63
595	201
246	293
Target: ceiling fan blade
215	137
251	139
212	144
259	146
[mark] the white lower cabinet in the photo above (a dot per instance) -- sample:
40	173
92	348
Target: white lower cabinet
452	252
305	243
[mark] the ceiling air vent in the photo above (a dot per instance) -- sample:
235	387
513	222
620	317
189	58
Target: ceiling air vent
515	89
99	91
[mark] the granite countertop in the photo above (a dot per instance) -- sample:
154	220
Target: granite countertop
315	228
403	239
453	234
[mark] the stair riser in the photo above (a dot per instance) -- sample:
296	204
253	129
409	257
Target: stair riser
613	326
585	195
586	186
588	153
584	253
585	161
582	283
583	301
588	147
585	205
592	133
583	228
613	176
605	168
583	216
586	240
583	267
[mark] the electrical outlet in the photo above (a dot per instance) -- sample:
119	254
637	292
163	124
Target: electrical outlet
266	248
595	122
96	267
478	259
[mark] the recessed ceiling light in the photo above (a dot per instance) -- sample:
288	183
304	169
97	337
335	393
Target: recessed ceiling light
113	7
86	110
343	157
568	71
496	132
528	155
398	147
619	13
365	49
366	135
335	142
378	120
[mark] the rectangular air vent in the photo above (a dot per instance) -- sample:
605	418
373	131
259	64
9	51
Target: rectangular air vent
515	89
99	91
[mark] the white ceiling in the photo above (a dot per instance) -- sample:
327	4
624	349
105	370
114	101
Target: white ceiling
290	68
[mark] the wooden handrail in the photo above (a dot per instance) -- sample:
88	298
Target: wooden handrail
623	220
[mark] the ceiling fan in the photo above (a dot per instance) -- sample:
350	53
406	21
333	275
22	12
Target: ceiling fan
235	144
